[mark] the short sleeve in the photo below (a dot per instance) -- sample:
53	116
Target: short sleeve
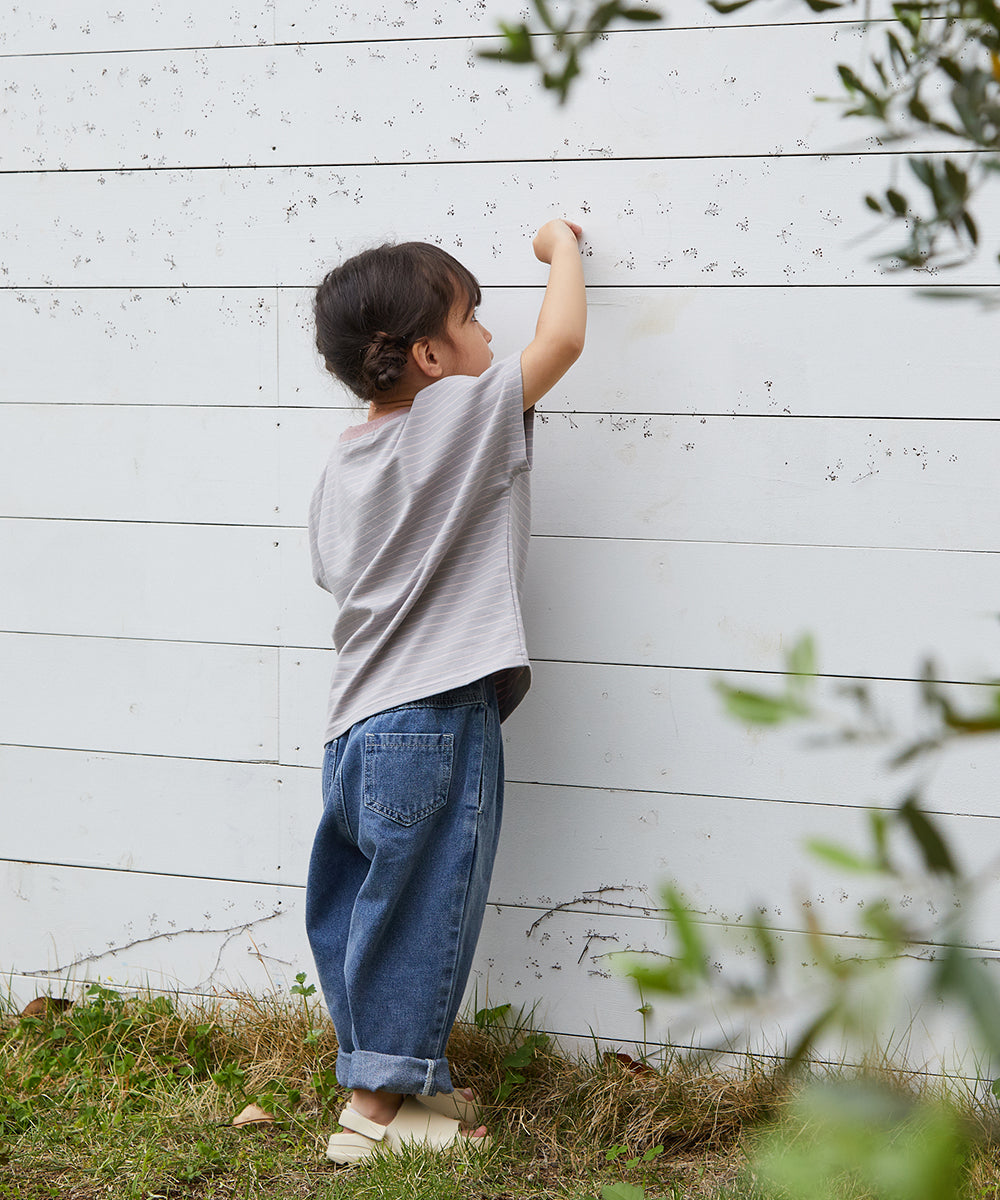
468	420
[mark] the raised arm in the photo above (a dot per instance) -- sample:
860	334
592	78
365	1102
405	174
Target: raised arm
562	321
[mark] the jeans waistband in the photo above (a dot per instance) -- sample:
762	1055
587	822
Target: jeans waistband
469	693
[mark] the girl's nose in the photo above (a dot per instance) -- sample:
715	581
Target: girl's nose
486	333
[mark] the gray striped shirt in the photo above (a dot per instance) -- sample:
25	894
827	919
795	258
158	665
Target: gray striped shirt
419	527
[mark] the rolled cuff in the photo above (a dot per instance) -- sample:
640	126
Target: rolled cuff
393	1073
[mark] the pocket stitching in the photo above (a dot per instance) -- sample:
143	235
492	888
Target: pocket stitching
384	743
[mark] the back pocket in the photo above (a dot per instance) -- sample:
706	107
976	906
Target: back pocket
407	775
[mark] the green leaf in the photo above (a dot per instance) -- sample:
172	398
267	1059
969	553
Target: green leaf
897	201
909	17
641	14
966	978
937	856
919	110
520	1057
542	8
695	955
819	6
882	923
923	171
912	752
879	824
519	47
873	204
951	69
767	946
896	52
801	659
849	79
622	1191
656	975
759	709
839	856
491	1016
800	1050
958	179
732	6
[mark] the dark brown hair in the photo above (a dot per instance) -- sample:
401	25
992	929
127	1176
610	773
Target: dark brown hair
373	307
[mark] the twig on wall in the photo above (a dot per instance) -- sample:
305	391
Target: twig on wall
594	896
232	931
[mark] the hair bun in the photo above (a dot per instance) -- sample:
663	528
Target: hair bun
385	360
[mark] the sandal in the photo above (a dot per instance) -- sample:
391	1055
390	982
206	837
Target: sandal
454	1105
414	1124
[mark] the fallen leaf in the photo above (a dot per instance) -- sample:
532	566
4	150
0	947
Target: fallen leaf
43	1004
633	1065
253	1115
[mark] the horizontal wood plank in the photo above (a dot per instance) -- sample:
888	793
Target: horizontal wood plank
752	90
47	27
237	821
785	480
664	729
742	606
755	221
181	464
200	583
314	20
140	347
72	925
721	349
53	27
734	860
568	977
191	701
648	350
682	604
821	482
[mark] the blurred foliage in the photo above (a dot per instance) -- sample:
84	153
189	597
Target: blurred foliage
891	927
937	74
556	53
860	1136
860	1139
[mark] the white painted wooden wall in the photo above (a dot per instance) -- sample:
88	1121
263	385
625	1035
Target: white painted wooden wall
768	435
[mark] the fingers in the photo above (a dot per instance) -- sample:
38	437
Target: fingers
551	234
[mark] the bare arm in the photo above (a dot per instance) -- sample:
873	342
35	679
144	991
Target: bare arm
562	321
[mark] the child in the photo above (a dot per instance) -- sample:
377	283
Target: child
419	527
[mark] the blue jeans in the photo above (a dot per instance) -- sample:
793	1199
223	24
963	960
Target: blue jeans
401	864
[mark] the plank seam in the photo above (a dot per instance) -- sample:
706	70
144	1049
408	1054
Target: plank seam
532	783
562	536
563	662
420	39
596	157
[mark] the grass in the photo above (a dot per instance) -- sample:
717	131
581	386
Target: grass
121	1097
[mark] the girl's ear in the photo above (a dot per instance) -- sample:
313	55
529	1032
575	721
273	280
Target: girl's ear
426	356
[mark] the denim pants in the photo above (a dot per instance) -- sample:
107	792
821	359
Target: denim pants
401	864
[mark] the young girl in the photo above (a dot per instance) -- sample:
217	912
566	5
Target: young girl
419	527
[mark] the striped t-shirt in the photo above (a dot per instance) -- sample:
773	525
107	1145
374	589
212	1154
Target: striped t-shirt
419	527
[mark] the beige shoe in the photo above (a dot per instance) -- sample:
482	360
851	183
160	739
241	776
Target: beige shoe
454	1105
414	1124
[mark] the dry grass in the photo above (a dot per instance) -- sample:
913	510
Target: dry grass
118	1099
608	1100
